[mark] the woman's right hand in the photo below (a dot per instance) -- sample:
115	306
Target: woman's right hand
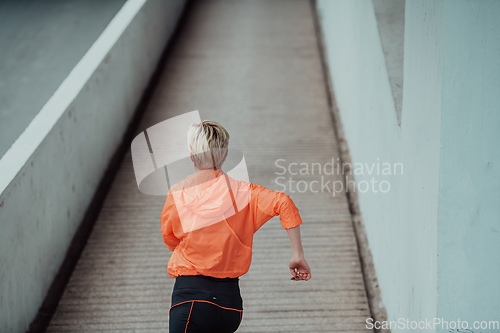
299	268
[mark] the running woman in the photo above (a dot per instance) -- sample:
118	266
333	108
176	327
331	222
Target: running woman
208	221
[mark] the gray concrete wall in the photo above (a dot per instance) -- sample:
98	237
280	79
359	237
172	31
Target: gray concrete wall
401	224
49	175
469	180
435	235
41	42
390	16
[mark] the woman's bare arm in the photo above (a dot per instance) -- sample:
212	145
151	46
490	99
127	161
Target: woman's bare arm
298	266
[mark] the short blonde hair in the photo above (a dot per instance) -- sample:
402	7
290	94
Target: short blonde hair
207	139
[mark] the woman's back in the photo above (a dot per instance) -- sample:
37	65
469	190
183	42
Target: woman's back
209	220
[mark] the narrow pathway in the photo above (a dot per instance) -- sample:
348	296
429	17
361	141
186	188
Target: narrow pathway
253	66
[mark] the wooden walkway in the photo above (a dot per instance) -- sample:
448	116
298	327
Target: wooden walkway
255	67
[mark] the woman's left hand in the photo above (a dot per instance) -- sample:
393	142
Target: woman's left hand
299	268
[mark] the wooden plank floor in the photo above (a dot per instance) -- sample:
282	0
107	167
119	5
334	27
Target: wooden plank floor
255	67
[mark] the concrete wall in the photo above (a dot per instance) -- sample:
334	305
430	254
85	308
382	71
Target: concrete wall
41	42
390	15
49	175
444	206
401	224
469	180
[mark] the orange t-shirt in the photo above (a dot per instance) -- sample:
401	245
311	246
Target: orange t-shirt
209	220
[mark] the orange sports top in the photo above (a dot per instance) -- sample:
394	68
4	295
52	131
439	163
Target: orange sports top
209	220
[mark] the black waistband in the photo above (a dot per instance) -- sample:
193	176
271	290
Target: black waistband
225	285
212	278
225	291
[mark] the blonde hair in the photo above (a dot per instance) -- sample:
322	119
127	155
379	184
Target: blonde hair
207	143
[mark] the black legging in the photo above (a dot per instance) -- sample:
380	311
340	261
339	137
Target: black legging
204	304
